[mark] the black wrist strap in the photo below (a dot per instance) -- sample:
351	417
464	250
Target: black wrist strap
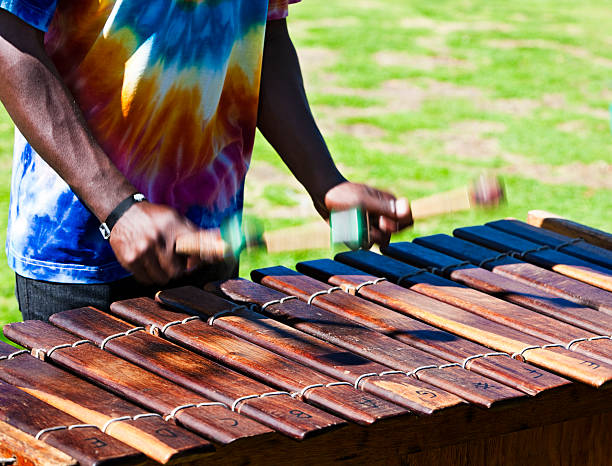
117	212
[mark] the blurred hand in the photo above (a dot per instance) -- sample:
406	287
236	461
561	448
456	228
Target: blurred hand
144	238
387	214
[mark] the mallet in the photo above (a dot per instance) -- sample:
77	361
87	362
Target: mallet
349	227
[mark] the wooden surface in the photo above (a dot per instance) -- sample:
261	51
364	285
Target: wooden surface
434	340
260	363
578	436
516	269
505	435
492	308
196	373
92	405
553	222
576	247
485	438
565	422
556	261
569	426
477	278
142	387
315	353
28	451
374	345
88	445
472	325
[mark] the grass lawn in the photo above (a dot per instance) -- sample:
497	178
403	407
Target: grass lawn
419	97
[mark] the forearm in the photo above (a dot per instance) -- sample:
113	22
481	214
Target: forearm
286	121
47	115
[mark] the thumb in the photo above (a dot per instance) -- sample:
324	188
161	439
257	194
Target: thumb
394	214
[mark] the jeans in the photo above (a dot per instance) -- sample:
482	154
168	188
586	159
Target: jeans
39	299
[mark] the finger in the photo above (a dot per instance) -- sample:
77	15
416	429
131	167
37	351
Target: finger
140	273
403	213
379	237
376	203
379	203
132	261
388	225
344	196
153	270
172	264
193	263
348	195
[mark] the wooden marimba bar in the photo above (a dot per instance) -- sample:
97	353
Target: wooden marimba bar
490	347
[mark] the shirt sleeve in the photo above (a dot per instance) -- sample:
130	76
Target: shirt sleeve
279	9
37	13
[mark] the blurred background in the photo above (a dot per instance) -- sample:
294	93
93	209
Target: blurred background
419	97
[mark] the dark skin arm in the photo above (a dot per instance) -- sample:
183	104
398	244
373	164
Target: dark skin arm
46	113
287	123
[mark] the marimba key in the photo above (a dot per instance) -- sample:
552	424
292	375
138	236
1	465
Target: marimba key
374	345
17	447
196	373
92	405
489	307
401	327
542	256
498	285
469	325
552	222
367	337
305	349
267	366
577	247
212	420
409	276
87	444
516	269
424	259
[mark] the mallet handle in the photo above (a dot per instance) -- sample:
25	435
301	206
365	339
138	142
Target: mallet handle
441	203
316	235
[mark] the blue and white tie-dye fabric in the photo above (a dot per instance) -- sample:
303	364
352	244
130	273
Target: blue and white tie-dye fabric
35	242
37	13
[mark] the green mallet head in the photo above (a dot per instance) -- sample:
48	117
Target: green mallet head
350	227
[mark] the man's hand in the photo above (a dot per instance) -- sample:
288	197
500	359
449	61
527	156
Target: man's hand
286	121
387	214
143	240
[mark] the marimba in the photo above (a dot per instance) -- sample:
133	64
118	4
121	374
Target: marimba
490	347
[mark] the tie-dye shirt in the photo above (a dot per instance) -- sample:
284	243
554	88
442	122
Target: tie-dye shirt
170	91
278	9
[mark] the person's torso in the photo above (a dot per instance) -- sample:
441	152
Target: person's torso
170	90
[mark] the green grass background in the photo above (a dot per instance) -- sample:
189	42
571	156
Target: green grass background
356	31
562	48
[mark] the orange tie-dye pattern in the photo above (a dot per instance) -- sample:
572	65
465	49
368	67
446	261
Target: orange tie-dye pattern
164	136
